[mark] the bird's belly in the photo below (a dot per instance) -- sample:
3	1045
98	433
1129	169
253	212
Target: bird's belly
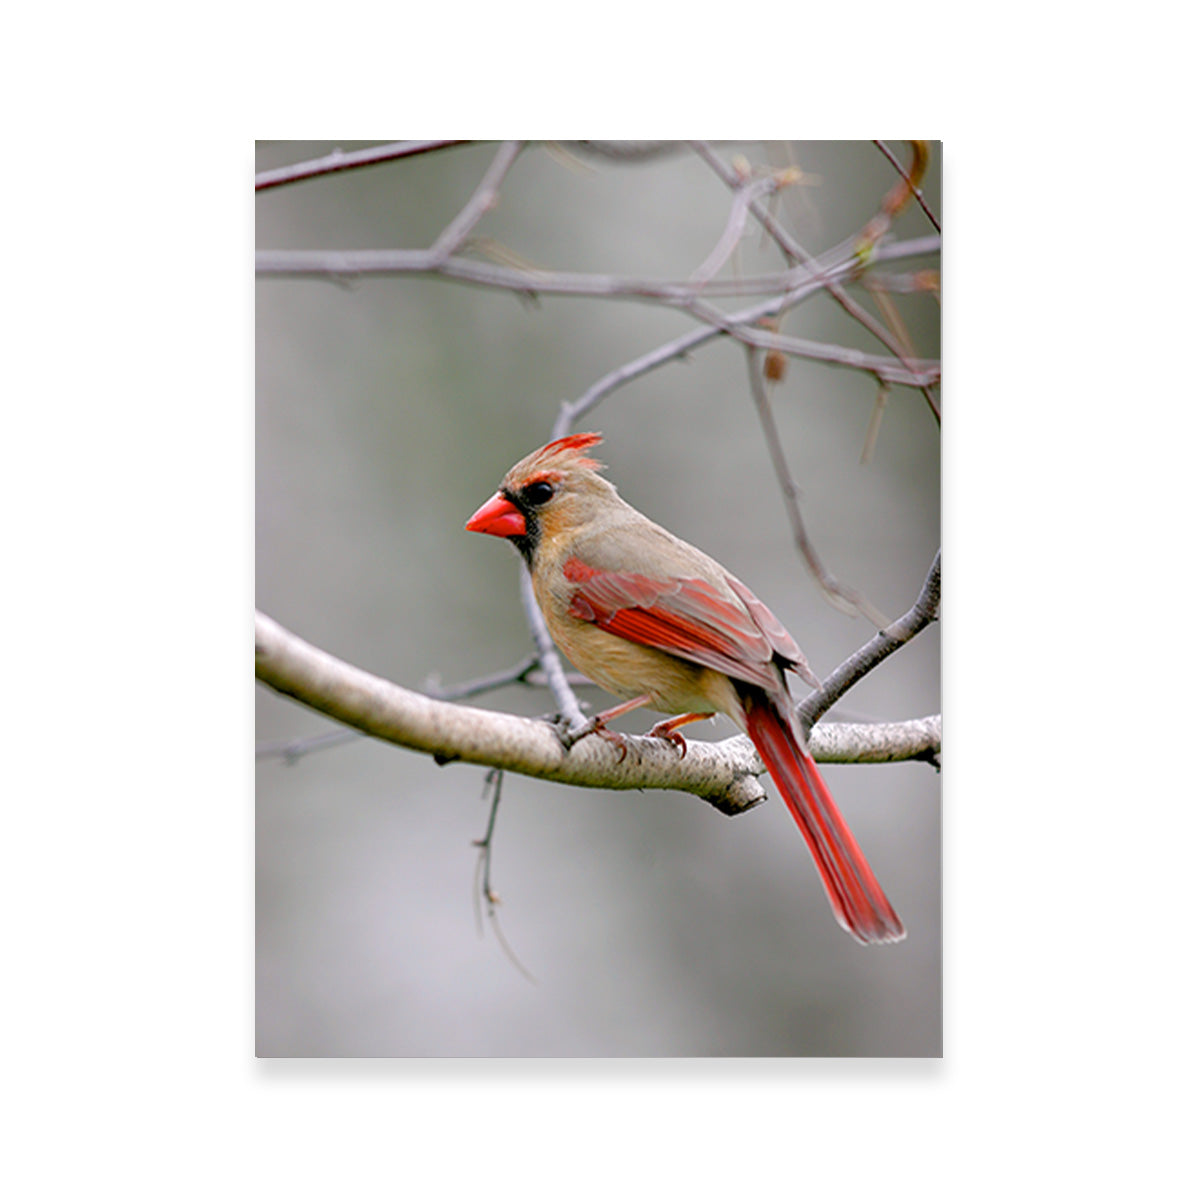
627	669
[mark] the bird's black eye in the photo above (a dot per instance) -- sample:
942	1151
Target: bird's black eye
537	492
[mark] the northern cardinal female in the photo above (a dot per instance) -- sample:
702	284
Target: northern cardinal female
658	623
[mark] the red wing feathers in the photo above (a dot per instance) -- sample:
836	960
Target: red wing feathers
685	617
772	628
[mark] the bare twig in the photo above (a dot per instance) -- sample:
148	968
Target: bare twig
884	644
527	671
916	191
734	227
337	161
906	283
485	683
839	595
291	750
340	265
881	399
486	196
795	252
556	678
493	782
683	345
916	373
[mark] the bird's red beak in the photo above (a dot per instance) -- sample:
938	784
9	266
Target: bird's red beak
498	517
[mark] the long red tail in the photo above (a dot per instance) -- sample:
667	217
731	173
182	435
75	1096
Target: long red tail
857	899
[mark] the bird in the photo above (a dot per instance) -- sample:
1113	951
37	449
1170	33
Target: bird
660	624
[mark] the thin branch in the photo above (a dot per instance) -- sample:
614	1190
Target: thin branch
916	191
916	373
486	197
527	671
556	677
292	750
342	265
881	399
337	161
722	773
485	683
683	345
847	599
884	644
734	227
908	283
493	783
795	252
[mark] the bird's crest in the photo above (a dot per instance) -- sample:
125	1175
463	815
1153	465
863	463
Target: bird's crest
569	451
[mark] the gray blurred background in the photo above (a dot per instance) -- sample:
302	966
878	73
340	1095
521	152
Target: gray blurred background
386	413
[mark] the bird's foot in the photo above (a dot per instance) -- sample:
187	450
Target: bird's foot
666	731
569	736
599	721
614	738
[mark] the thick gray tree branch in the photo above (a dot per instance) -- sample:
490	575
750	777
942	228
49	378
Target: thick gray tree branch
882	742
723	773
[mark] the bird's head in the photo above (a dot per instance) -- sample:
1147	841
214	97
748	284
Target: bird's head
548	494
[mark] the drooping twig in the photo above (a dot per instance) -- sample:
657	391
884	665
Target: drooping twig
886	642
331	164
847	599
881	399
749	192
492	783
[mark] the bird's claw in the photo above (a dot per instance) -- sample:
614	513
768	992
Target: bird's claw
616	739
569	736
664	730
